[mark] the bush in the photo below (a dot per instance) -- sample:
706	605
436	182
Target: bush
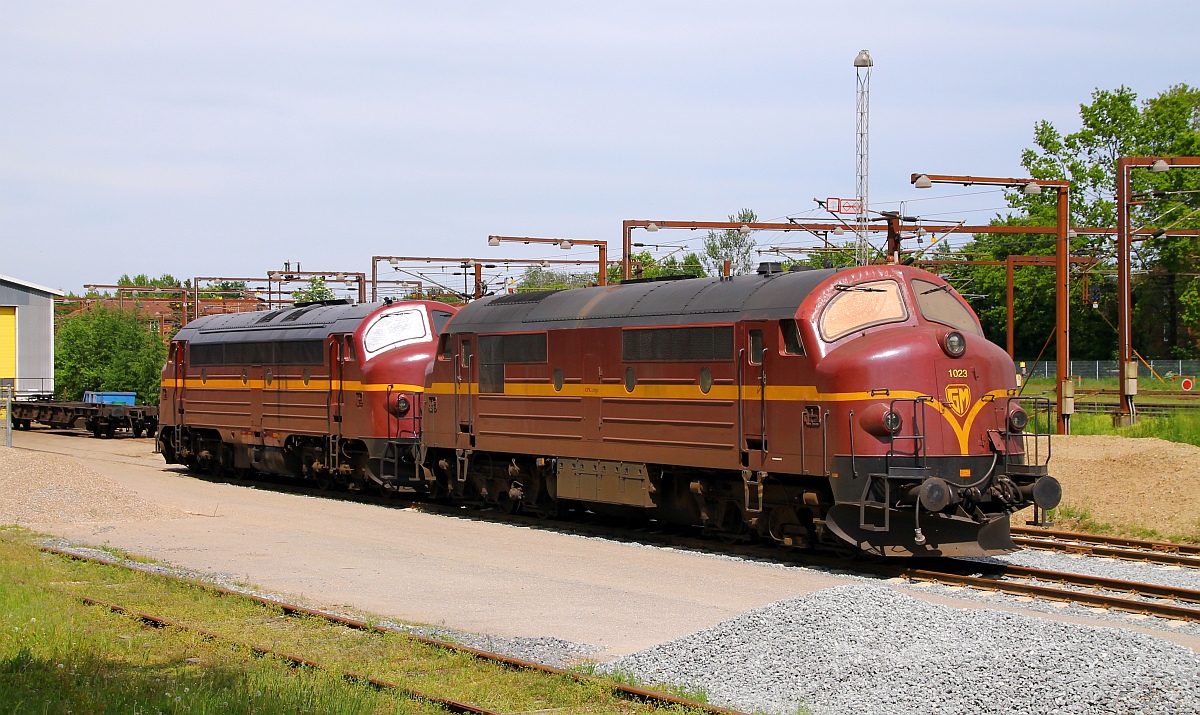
110	350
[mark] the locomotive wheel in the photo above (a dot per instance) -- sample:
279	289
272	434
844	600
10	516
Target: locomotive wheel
733	526
324	481
383	490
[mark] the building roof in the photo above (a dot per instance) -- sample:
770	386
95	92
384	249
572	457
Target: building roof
30	286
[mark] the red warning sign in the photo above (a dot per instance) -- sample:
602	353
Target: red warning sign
1188	384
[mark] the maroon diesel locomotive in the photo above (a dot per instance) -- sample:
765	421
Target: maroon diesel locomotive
858	407
328	391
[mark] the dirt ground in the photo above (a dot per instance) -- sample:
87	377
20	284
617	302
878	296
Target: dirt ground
1131	484
44	488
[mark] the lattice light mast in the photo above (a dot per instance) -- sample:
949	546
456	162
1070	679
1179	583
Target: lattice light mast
862	70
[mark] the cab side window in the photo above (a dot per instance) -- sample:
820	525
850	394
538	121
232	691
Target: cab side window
790	331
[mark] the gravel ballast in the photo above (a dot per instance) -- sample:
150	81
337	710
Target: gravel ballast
870	649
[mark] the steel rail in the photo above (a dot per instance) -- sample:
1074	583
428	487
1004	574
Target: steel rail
160	622
1159	552
1093	599
642	694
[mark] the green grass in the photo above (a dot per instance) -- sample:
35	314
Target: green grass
1177	427
1070	518
58	655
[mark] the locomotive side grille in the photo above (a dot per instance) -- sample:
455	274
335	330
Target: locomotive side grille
706	343
530	347
496	350
293	352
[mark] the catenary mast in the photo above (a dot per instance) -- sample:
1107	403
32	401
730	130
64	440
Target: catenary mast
862	70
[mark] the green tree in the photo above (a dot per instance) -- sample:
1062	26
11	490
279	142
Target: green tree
228	290
730	245
111	350
316	290
539	278
645	265
166	280
1166	302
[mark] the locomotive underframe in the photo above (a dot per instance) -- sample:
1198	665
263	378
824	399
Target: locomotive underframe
388	465
866	502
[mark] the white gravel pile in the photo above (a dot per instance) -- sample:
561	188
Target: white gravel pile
43	489
870	649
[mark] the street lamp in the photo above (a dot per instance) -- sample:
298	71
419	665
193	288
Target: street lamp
566	244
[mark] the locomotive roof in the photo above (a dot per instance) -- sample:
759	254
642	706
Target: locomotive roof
309	322
698	300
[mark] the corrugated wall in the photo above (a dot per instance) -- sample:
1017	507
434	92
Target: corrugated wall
35	336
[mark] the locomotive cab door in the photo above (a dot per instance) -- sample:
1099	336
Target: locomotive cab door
464	393
336	391
177	397
752	398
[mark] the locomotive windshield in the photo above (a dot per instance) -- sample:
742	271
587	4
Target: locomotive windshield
393	329
938	305
861	306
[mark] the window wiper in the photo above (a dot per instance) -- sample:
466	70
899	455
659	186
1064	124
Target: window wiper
934	290
843	288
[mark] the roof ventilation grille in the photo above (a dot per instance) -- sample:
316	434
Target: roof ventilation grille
767	268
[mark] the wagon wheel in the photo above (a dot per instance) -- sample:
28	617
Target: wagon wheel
138	429
324	481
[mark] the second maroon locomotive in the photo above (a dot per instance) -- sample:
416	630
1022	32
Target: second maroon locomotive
859	407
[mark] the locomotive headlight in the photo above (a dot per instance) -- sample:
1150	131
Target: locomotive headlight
954	343
880	420
1018	419
402	405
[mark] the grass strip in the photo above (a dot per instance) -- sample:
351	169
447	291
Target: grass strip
117	681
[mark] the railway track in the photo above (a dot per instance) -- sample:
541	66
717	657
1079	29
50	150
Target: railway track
652	697
1134	597
1156	552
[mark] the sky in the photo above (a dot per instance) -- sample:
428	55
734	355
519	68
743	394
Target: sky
224	138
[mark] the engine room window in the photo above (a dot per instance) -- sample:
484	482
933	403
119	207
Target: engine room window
861	306
937	303
790	331
447	351
393	329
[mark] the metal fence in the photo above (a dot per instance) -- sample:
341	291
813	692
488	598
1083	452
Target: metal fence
6	397
1102	369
